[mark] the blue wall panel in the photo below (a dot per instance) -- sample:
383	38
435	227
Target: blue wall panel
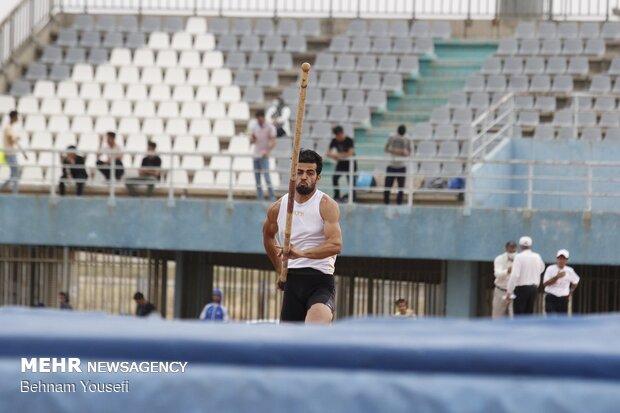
369	230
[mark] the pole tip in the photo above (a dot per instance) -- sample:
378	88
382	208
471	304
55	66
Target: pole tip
305	67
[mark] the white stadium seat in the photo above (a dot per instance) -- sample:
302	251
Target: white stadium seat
196	25
29	105
67	89
213	60
224	128
82	124
120	57
198	77
200	127
204	42
144	109
181	41
208	145
76	107
239	111
166	58
159	41
183	94
215	110
189	59
191	110
221	77
168	110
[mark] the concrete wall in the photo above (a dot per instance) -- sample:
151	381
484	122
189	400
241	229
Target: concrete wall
374	230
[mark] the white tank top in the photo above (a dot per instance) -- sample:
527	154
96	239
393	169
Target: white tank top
307	232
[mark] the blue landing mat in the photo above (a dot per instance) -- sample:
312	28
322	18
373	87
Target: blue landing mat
367	365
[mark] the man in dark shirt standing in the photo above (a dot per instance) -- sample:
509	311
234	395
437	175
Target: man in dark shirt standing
73	170
143	308
340	149
399	146
149	173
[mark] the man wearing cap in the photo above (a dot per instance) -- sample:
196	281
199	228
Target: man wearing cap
525	278
560	281
502	267
215	311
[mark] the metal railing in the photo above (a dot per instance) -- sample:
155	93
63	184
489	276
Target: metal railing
411	9
21	24
231	186
526	182
30	16
96	279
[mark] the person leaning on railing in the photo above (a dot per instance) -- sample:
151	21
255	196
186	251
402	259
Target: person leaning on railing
149	173
341	148
73	170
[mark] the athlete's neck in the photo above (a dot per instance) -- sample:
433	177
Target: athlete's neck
300	198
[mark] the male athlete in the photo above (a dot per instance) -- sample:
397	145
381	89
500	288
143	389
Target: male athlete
309	291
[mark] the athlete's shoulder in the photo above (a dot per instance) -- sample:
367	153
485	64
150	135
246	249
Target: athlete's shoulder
274	209
326	199
328	206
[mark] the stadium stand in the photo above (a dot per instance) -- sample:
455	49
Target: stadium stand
159	82
102	75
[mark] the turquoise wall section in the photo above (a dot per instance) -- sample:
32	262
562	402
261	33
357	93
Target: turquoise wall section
369	230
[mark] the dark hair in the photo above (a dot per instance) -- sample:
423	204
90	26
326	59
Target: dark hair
111	134
260	112
402	129
400	300
511	244
13	114
64	294
337	129
138	296
310	156
151	144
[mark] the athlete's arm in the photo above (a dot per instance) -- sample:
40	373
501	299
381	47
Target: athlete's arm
270	229
331	228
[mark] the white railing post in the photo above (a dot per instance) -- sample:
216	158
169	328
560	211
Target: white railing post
575	116
229	196
170	181
530	184
469	166
589	199
112	180
52	175
351	179
410	178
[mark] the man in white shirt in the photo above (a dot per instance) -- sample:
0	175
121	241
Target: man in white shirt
525	278
10	146
112	153
502	267
560	281
263	136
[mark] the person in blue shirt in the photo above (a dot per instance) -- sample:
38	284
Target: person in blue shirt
215	311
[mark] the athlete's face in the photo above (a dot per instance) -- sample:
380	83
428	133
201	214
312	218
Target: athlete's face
307	178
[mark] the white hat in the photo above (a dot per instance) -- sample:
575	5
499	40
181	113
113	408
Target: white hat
562	253
525	241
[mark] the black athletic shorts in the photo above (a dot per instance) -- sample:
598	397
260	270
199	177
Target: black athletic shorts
305	287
